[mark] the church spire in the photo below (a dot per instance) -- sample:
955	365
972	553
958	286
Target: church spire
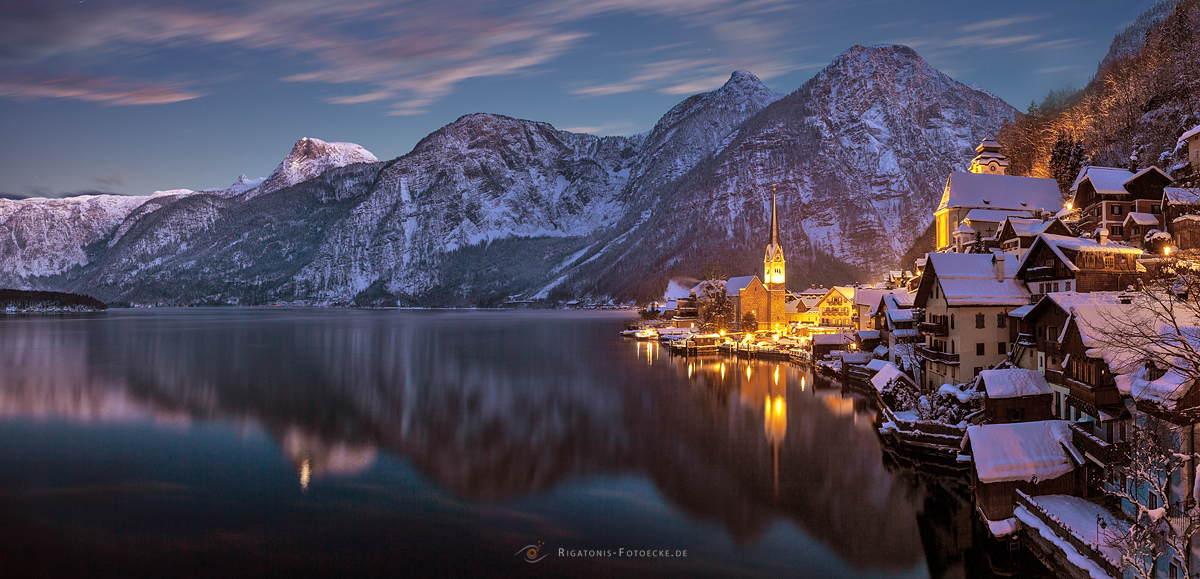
774	221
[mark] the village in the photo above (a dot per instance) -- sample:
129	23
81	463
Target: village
1048	350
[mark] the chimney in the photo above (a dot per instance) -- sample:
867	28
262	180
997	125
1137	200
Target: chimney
998	265
1103	236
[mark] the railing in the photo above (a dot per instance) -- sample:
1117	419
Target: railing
1088	550
933	328
936	356
1026	339
1054	376
1095	395
1091	444
1051	348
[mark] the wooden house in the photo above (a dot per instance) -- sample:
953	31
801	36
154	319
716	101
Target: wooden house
1015	395
1106	195
1056	263
1038	458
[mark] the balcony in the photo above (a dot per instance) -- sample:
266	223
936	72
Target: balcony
1050	347
1054	377
1091	444
1096	396
935	356
933	328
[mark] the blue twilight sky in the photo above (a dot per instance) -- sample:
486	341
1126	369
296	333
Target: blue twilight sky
130	98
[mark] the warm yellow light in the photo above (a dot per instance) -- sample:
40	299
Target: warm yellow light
1068	206
305	473
747	372
722	333
1167	250
779	405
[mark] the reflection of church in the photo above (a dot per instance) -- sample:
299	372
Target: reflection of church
764	298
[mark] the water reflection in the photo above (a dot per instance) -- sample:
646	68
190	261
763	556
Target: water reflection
490	406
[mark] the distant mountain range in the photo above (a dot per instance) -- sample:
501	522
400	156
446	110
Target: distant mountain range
491	209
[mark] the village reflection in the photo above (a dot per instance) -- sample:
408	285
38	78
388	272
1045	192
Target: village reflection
491	409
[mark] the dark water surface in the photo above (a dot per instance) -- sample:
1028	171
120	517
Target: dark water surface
307	442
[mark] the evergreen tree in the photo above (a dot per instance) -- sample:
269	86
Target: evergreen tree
1066	160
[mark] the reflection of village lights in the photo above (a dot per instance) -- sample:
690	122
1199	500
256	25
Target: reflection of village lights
778	405
802	383
777	375
747	371
305	472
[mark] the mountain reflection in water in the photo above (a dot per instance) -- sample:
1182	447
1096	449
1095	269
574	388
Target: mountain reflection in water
496	408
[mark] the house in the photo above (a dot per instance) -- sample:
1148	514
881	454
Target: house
825	344
1015	395
897	327
837	308
966	298
687	312
987	187
865	302
1191	168
1057	263
1037	458
1181	211
1017	234
1138	224
1105	195
1035	334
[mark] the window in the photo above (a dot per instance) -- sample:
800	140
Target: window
1001	320
1055	287
1057	402
1152	501
952	347
1116	210
1052	334
1118	230
951	321
979	349
1002	348
1156	209
978	369
978	320
1068	288
1016	414
1108	262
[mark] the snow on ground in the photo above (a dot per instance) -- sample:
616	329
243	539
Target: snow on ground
1074	556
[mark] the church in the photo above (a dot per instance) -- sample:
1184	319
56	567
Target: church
765	298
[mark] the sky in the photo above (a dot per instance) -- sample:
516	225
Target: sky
130	98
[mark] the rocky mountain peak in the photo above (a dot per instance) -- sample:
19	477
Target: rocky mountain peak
310	157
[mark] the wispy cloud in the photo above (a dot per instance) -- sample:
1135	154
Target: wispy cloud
606	129
997	23
106	90
404	56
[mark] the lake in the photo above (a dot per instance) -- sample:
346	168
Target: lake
250	442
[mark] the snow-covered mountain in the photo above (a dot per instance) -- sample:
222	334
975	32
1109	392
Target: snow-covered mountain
490	208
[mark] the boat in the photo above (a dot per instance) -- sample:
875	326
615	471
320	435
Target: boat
646	334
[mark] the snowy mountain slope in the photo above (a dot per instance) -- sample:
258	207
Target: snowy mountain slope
857	156
490	208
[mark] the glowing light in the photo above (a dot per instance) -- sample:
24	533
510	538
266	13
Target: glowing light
1068	205
722	371
777	375
1167	250
722	332
305	473
747	372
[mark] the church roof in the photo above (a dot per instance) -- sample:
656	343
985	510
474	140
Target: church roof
1000	192
735	285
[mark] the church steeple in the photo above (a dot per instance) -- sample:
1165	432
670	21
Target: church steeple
773	262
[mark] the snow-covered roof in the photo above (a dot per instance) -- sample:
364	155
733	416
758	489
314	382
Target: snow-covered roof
968	279
905	332
795	306
1191	133
1104	179
872	297
1022	450
887	374
1150	169
894	316
1021	311
1181	196
844	291
1068	300
1058	243
1028	227
1141	218
900	300
868	334
1000	192
1186	218
876	365
1014	383
836	339
735	285
963	228
811	302
994	215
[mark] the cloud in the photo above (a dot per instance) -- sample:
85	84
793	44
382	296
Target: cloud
606	129
105	90
1000	23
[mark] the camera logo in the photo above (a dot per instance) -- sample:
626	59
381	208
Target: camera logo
530	553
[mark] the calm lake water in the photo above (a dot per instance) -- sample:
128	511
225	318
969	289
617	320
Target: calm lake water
271	442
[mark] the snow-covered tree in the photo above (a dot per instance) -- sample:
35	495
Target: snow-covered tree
716	309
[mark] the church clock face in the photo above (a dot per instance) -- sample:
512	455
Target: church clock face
992	168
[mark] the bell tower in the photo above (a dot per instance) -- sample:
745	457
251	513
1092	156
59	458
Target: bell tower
990	160
773	262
